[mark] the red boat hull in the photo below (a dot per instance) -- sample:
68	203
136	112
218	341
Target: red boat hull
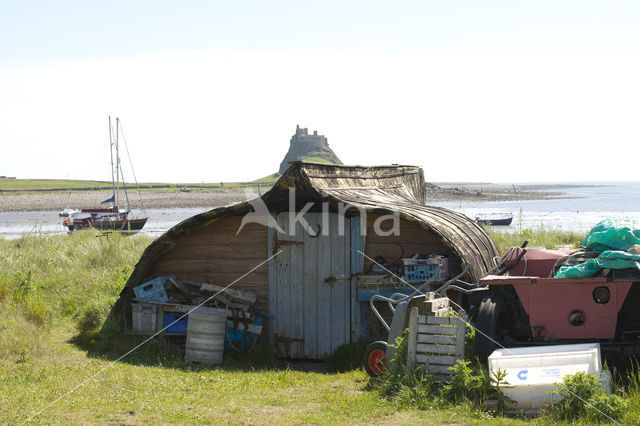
108	225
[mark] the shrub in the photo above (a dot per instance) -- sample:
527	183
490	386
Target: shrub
583	397
467	384
92	316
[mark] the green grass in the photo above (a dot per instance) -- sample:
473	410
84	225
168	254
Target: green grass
537	238
55	293
44	184
317	160
51	288
270	179
22	186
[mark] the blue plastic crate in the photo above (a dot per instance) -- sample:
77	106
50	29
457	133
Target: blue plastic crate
178	327
153	290
421	270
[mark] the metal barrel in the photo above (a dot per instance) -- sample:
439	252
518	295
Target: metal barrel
205	335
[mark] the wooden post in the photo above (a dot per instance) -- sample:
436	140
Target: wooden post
413	339
460	334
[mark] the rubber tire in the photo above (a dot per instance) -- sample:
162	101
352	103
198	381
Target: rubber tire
375	358
491	308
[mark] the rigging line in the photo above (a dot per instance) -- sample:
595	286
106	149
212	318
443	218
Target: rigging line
479	331
124	187
147	340
133	172
113	179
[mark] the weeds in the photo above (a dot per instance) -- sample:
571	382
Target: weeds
467	384
538	238
583	397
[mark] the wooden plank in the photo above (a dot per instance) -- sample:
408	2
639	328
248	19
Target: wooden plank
412	339
346	285
272	293
239	266
213	233
337	287
435	338
296	266
355	246
255	249
235	294
310	274
219	278
439	369
433	320
436	349
444	312
422	319
409	233
436	359
284	290
168	307
460	335
437	329
324	295
220	238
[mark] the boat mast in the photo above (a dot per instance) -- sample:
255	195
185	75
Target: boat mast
113	180
117	161
124	183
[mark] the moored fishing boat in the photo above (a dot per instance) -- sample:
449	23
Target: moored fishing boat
495	221
113	217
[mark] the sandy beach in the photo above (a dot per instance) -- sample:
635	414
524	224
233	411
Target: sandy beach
92	199
441	191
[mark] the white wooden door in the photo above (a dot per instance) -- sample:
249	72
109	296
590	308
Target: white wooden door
310	287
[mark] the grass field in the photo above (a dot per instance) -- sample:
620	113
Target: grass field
55	293
51	185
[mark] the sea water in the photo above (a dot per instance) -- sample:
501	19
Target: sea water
17	224
574	209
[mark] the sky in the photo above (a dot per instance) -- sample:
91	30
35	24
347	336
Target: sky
209	91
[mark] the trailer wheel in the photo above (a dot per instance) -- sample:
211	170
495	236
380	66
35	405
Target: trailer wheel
375	358
489	326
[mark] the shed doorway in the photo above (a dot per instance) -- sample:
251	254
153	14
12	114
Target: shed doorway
310	286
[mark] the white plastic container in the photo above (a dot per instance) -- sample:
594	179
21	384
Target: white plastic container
144	317
532	372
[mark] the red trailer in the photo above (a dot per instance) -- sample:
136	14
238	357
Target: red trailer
529	308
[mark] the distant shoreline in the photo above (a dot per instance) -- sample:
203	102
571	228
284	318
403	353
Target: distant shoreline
438	192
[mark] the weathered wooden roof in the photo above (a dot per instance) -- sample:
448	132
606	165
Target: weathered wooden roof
378	189
399	189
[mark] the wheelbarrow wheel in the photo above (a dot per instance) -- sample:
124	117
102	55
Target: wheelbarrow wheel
375	358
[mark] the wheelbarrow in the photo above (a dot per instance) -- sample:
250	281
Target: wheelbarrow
377	353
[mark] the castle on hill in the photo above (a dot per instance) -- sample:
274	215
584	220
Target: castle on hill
306	147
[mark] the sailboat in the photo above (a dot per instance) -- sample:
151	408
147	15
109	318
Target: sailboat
112	217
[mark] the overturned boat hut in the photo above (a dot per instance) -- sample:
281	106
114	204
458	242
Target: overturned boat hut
315	248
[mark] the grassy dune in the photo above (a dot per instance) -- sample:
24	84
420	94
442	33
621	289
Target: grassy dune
55	293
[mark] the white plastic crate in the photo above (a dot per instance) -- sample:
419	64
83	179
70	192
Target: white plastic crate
144	317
